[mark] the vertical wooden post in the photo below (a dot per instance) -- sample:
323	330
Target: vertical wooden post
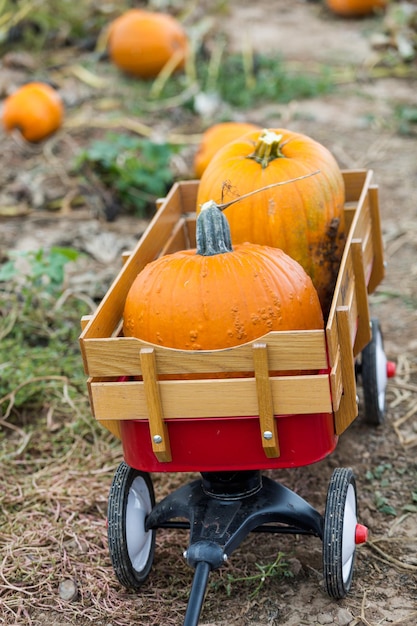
348	408
157	425
363	334
378	268
267	420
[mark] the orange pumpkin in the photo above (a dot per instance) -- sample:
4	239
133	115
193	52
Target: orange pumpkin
355	8
142	42
217	296
35	109
304	218
215	138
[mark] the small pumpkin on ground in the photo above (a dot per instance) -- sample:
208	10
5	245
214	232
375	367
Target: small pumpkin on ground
304	218
215	138
35	109
355	8
216	296
142	42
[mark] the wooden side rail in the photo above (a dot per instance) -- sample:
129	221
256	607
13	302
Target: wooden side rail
225	397
150	391
287	350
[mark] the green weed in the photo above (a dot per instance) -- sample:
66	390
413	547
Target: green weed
136	171
278	568
406	117
39	328
266	79
381	478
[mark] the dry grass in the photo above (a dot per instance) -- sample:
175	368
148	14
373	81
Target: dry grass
53	507
53	501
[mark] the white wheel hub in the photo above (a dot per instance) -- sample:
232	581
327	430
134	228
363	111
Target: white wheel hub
139	541
349	531
381	371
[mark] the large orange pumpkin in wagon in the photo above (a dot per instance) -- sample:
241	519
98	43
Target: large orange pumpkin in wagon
217	296
303	218
142	42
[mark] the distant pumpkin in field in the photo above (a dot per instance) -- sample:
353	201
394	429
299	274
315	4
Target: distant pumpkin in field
355	8
35	109
142	42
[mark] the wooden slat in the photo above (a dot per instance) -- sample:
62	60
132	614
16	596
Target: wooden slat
191	223
126	256
188	190
349	214
85	320
212	398
157	426
178	239
378	267
348	408
336	383
268	426
357	183
287	350
111	424
363	332
354	182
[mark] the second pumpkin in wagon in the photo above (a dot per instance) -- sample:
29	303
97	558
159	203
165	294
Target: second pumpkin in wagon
303	218
216	137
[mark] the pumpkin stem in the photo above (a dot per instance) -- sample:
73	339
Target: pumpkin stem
268	148
213	231
224	206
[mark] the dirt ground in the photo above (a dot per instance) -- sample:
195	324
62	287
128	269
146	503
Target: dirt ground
358	124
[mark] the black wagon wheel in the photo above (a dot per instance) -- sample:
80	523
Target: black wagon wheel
131	547
374	376
341	533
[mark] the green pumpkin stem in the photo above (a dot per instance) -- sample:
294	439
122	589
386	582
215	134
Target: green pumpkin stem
212	231
268	148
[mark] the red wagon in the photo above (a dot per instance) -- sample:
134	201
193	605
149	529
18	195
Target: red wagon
229	429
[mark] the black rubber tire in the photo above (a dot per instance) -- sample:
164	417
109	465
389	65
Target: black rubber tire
130	486
338	536
374	377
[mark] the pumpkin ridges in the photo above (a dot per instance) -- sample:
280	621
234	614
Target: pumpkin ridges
322	197
223	310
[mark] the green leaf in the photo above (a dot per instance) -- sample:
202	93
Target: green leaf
410	508
135	170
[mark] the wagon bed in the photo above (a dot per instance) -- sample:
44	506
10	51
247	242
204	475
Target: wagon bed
255	419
